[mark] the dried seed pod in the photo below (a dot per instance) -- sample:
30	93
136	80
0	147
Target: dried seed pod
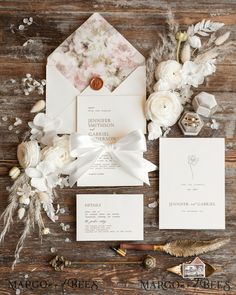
221	39
186	53
21	213
38	106
14	173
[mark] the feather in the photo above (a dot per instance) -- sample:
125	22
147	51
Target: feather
185	248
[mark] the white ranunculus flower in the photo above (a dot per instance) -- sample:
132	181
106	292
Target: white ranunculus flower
163	108
195	42
169	72
58	154
154	131
28	154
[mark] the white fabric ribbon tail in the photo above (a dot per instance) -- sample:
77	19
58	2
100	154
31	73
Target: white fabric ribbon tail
127	152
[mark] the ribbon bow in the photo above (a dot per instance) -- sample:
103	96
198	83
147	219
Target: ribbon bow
127	152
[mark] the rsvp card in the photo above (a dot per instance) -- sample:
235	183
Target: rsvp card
192	183
109	118
109	218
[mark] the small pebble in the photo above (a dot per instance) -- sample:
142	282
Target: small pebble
10	127
4	118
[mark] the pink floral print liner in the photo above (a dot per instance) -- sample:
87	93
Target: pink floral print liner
96	49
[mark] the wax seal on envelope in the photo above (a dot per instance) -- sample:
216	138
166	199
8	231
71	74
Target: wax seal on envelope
96	83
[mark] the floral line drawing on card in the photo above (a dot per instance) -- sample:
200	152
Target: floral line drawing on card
192	161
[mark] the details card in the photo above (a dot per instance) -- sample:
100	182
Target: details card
192	183
109	218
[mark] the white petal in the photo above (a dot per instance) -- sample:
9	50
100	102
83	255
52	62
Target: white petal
33	173
154	131
39	183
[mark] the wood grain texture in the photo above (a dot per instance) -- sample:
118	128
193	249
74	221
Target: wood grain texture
139	21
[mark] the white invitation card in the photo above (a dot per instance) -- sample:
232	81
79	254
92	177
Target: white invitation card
108	217
192	183
109	118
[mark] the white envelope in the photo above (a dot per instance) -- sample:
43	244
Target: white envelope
94	49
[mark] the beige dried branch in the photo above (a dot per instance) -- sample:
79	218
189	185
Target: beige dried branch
9	212
185	248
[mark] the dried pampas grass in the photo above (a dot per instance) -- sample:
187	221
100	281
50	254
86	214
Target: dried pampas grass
164	50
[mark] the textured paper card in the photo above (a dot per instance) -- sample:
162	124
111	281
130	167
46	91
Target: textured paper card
108	218
108	119
192	183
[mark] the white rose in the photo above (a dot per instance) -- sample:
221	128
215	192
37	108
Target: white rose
58	154
163	108
169	71
28	154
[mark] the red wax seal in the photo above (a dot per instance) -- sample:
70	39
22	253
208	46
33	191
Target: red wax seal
96	83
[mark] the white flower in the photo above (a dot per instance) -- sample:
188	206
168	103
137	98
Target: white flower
195	42
161	85
192	74
24	200
59	153
169	72
185	94
163	108
25	190
154	131
43	177
208	68
28	153
44	129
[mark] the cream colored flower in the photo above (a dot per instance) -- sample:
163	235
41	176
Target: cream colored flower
154	131
58	154
28	154
163	108
169	72
195	42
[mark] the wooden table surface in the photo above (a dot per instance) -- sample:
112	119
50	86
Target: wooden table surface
140	22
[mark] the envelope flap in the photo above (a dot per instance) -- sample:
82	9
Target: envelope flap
96	49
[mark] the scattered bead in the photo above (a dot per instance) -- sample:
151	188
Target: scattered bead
67	240
18	122
17	291
4	118
53	250
10	128
21	27
62	211
46	231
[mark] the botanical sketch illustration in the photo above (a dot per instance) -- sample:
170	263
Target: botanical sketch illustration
192	161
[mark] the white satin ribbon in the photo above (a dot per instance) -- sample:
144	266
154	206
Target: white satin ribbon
127	152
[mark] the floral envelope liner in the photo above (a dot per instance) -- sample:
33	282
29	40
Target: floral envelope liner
96	49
